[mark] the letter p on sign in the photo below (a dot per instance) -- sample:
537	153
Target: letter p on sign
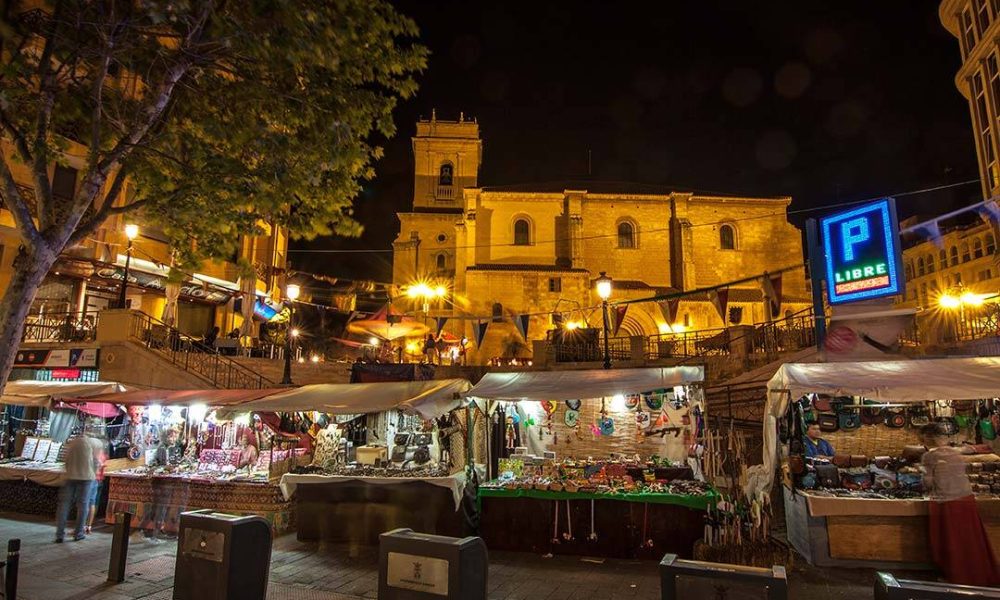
853	232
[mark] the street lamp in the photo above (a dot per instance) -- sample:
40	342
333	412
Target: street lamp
603	285
291	293
131	232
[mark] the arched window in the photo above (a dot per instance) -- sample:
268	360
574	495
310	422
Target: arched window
953	256
977	248
446	173
626	235
965	252
442	262
522	232
991	245
920	266
497	312
909	271
943	259
727	237
930	263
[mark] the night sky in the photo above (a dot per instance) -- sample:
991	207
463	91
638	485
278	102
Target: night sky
827	105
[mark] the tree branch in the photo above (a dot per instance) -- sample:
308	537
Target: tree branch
18	208
87	227
47	96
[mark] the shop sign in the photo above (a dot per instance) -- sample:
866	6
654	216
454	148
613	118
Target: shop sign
150	281
65	373
418	573
57	357
862	253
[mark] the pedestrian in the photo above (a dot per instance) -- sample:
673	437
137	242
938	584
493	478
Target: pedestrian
95	490
958	540
430	348
154	519
82	461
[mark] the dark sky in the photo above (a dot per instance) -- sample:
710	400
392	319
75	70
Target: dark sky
825	104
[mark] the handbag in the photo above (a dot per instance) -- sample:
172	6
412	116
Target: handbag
987	430
918	416
828	475
946	426
842	460
796	464
849	420
828	423
895	418
859	460
913	454
822	404
872	416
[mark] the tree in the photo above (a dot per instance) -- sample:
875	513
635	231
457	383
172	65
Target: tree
218	115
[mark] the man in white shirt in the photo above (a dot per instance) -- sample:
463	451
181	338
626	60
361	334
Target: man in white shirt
82	461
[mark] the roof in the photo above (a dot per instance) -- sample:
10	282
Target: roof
614	187
584	384
524	267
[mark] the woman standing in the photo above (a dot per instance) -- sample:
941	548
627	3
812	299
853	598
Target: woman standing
959	545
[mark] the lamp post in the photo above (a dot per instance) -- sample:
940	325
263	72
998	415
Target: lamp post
291	293
603	285
131	232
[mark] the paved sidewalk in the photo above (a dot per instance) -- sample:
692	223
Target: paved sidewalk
304	571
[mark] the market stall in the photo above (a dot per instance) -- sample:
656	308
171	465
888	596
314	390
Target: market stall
595	462
866	506
385	459
36	419
188	458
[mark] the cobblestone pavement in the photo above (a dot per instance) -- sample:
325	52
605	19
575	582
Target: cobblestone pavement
306	571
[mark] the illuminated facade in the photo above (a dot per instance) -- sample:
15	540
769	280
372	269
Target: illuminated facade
965	260
537	249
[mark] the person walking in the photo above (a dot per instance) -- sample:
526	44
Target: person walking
430	349
82	462
95	490
958	540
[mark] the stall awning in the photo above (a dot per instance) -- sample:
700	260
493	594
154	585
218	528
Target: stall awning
573	385
42	393
429	399
210	397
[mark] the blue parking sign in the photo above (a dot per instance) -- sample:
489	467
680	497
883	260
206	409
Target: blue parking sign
862	254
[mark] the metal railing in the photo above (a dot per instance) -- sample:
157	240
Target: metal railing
445	192
72	326
192	355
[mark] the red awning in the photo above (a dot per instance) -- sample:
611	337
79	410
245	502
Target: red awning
103	410
187	397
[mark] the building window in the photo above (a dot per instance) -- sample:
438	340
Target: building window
965	252
968	30
991	245
953	254
446	174
442	238
986	275
64	182
985	133
923	293
909	271
982	16
956	279
442	262
993	70
943	257
497	312
626	235
687	319
920	266
555	284
977	248
930	263
522	232
727	237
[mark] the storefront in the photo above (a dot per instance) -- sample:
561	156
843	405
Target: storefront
388	455
598	462
866	506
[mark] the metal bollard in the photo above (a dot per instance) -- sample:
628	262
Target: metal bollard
10	569
119	547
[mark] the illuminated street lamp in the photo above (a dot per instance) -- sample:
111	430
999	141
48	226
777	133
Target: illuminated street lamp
603	285
131	232
291	293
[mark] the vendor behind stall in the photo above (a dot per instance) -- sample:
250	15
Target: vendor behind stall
816	446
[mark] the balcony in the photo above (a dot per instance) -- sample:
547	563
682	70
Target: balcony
445	193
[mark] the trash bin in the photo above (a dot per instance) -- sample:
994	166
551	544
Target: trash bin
888	587
682	579
222	557
418	566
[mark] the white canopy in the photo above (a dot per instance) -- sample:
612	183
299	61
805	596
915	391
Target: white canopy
42	393
573	385
428	399
886	380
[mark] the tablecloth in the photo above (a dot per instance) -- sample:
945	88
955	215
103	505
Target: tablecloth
48	474
701	502
455	483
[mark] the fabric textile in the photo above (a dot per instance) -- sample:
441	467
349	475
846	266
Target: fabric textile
79	492
959	545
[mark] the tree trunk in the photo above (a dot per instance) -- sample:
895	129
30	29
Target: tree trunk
30	269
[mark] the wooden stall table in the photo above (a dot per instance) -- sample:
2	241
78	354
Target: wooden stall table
524	520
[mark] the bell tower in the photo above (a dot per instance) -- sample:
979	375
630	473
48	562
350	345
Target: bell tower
446	157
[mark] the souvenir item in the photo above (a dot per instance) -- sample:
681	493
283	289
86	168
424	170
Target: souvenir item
654	401
895	418
828	423
946	426
859	460
849	420
642	420
632	402
987	430
872	416
511	437
573	404
842	460
796	464
607	425
822	404
913	454
918	416
828	475
549	406
571	418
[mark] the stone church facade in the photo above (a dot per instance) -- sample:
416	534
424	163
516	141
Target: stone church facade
537	249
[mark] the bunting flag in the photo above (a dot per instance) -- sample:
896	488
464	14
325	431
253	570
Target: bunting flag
932	230
620	311
479	328
771	285
989	212
522	322
669	309
720	300
440	321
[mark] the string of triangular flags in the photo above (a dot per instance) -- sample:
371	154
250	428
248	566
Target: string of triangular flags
987	210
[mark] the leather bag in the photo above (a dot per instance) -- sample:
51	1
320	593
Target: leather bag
895	418
913	454
872	416
822	404
828	475
849	420
828	422
859	460
843	461
918	416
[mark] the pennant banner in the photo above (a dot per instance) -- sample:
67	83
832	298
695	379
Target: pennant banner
479	328
771	285
521	322
989	212
720	300
669	310
620	311
932	230
440	321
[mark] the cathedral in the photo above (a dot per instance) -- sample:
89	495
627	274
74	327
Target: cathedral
535	250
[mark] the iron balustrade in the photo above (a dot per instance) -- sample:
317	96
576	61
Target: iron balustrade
192	355
72	326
